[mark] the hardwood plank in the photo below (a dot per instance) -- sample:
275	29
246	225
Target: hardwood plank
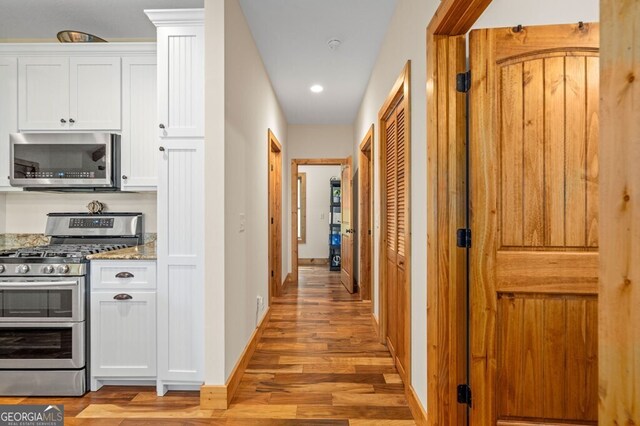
554	178
592	135
575	148
555	272
554	350
511	154
533	192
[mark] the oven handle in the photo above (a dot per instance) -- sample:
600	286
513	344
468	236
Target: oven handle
47	284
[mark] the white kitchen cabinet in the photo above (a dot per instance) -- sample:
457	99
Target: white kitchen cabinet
94	93
139	124
62	93
180	198
180	72
8	115
43	100
180	264
123	322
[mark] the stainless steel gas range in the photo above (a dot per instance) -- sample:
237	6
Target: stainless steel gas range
44	303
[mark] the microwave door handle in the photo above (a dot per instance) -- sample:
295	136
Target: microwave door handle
48	284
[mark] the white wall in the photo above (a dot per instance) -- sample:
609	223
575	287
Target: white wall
405	39
314	141
26	212
317	184
214	192
251	107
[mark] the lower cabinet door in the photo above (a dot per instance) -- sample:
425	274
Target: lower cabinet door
123	334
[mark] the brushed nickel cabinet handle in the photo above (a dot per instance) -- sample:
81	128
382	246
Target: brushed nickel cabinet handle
63	121
162	126
71	120
161	148
124	275
122	296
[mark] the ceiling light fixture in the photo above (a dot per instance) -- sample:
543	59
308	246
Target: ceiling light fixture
316	88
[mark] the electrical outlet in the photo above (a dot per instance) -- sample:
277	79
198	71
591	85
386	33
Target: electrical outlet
260	301
321	216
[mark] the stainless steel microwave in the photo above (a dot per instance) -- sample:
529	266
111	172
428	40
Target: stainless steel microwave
65	161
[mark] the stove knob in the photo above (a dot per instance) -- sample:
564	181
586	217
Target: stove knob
1	269
22	269
48	269
63	269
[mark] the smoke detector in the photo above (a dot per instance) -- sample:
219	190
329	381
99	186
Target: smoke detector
334	43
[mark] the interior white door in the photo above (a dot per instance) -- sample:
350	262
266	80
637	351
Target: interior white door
139	124
43	97
94	93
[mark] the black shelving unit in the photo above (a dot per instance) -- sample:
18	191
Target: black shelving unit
335	216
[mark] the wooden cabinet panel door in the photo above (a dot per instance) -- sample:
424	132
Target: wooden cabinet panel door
395	187
346	244
534	218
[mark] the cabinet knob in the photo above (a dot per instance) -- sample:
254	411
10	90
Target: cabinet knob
71	120
124	177
161	148
124	275
63	121
161	126
122	296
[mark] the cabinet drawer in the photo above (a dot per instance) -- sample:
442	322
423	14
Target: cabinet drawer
123	275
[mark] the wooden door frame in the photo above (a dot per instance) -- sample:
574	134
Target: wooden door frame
365	215
401	89
273	145
446	209
618	356
293	276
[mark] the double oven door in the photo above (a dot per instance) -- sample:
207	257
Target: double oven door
42	323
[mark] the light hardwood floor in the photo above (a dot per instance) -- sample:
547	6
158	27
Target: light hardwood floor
318	363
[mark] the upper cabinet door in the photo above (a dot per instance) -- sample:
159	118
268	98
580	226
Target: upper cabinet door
43	100
8	114
181	81
139	124
94	93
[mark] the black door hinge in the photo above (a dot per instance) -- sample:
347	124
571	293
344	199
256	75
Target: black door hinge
464	394
272	221
463	82
272	274
463	238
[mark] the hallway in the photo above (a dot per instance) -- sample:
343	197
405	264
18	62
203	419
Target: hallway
319	358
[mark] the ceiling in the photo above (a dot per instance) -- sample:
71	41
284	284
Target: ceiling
109	19
292	37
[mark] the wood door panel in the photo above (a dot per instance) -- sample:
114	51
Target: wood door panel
548	196
534	214
546	351
346	244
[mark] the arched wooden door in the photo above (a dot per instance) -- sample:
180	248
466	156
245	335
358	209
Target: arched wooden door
534	219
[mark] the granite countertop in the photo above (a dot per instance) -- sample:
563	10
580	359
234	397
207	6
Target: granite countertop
142	252
18	241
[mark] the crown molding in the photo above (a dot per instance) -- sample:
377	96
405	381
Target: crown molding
175	17
77	49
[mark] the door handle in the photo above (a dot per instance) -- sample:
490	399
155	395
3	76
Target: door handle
124	275
122	296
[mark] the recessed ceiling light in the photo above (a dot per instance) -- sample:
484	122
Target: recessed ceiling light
316	88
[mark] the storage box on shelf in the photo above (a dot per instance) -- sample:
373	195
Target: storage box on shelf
123	322
83	87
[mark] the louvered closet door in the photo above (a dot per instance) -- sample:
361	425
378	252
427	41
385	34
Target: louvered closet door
395	145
